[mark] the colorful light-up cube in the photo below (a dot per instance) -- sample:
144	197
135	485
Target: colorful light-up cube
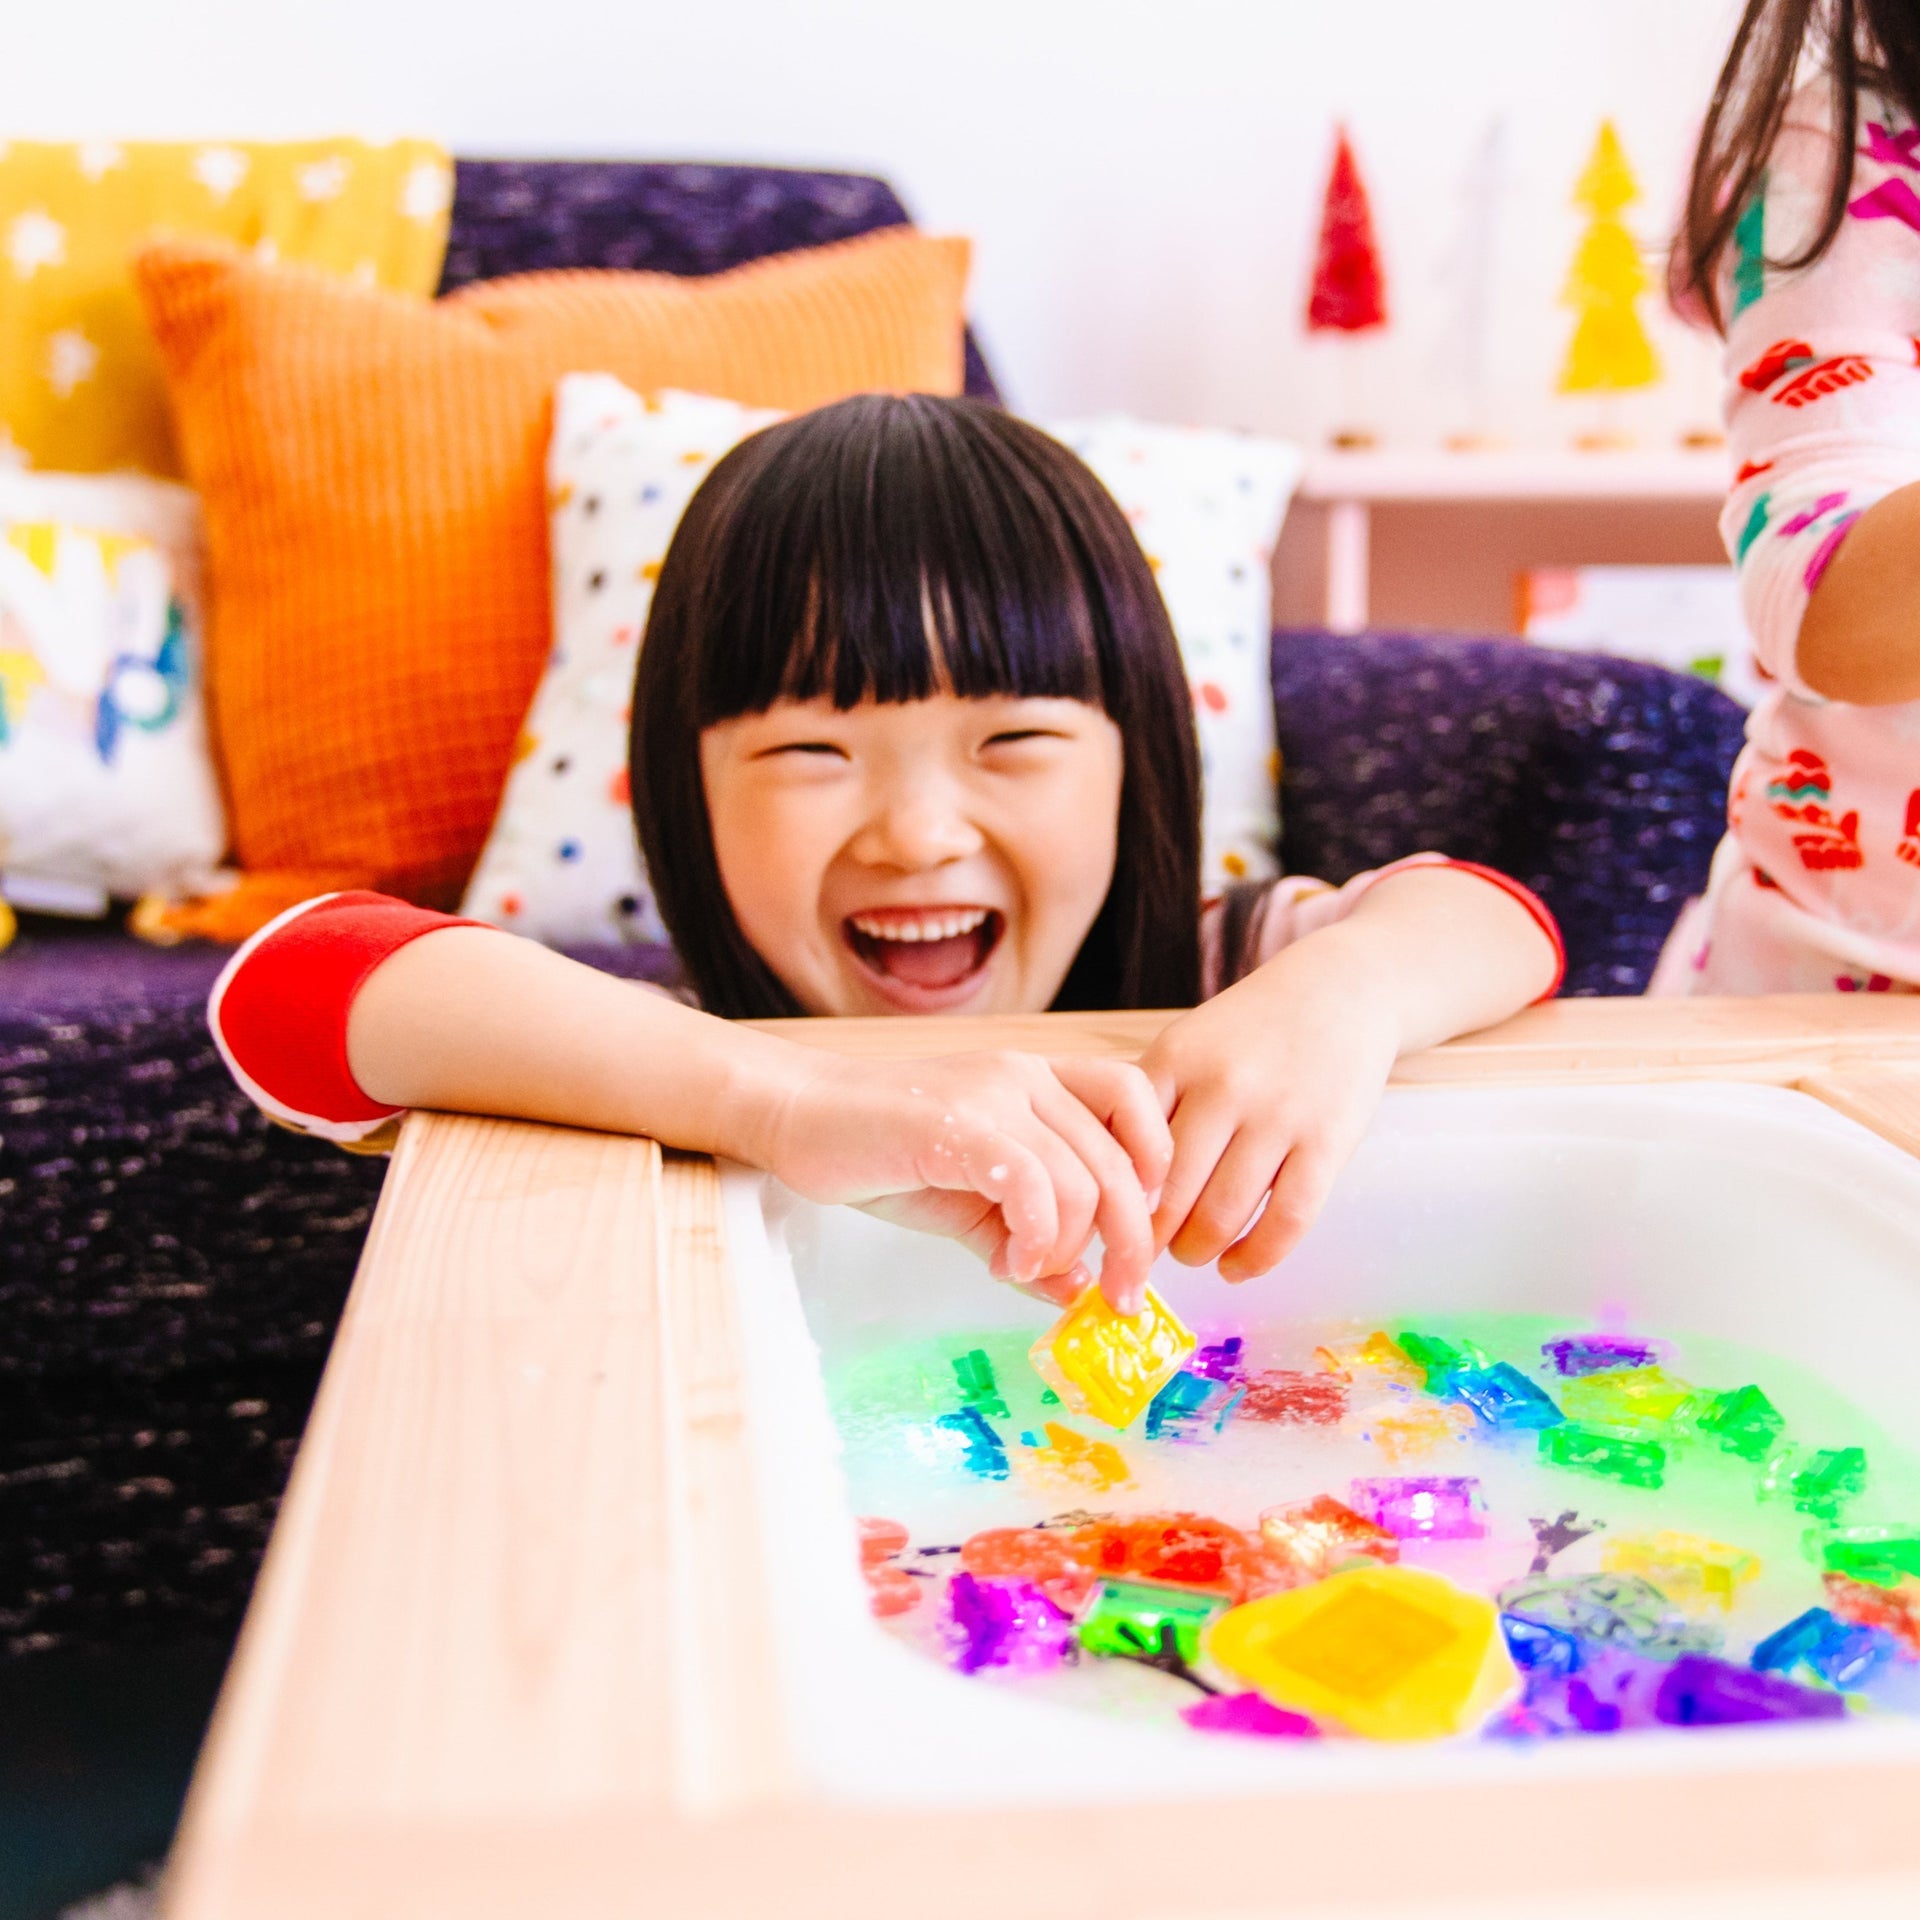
1003	1623
1645	1399
1692	1571
982	1454
1378	1358
1316	1536
1744	1421
973	1371
1107	1365
1830	1480
1136	1620
1843	1653
1582	1353
1295	1399
1410	1429
1699	1691
1504	1398
1393	1653
1877	1556
1584	1449
1192	1408
1895	1609
1221	1360
1423	1508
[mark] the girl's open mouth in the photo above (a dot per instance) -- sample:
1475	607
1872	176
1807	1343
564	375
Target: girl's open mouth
924	958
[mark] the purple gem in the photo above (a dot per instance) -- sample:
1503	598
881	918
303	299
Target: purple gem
1599	1352
1248	1713
1700	1691
1223	1360
1609	1692
1423	1509
1004	1623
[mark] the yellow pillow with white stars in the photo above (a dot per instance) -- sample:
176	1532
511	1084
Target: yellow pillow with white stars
80	381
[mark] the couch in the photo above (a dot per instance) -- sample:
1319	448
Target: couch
172	1268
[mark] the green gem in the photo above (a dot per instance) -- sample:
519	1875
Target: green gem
1134	1617
1439	1357
1744	1421
1831	1478
978	1387
1883	1556
1048	1398
1634	1463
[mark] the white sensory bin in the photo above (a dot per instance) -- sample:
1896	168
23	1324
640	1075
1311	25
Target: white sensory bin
1731	1213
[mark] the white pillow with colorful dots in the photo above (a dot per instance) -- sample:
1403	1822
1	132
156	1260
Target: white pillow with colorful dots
563	864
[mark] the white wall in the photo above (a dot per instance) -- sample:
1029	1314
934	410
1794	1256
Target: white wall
1142	180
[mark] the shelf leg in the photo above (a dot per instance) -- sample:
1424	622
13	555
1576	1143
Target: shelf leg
1348	530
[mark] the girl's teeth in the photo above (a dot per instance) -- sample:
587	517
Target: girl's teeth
943	926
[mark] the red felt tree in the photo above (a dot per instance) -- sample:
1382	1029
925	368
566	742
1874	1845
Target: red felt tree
1349	292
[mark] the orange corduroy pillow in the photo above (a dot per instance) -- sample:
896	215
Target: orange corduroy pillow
371	466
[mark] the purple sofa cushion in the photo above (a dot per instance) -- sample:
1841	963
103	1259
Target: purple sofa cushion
525	216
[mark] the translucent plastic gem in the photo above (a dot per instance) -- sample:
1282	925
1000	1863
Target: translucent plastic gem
1072	1460
1393	1653
1003	1623
892	1590
984	1455
1895	1609
1611	1691
1182	1549
1634	1463
1880	1556
1618	1610
978	1387
1316	1536
1294	1399
1134	1619
1829	1480
1045	1557
1379	1357
1436	1357
1220	1360
1691	1570
880	1540
1699	1691
1430	1508
1192	1408
1249	1714
1409	1429
1840	1652
1539	1648
1505	1399
1582	1353
1109	1366
1639	1398
1744	1421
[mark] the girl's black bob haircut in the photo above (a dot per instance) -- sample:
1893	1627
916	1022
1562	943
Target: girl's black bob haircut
889	548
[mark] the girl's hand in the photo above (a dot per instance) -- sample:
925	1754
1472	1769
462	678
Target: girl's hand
1021	1159
1268	1088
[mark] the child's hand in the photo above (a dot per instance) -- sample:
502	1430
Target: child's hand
1268	1088
1020	1158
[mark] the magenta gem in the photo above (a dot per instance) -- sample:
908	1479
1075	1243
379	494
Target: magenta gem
1004	1623
1423	1508
1248	1713
1224	1360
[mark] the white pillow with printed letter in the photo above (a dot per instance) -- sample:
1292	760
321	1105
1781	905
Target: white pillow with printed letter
563	864
107	784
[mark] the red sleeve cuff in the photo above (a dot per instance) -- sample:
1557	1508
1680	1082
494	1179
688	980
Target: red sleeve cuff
279	1009
1542	916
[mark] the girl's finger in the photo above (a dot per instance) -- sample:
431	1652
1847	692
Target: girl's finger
1240	1180
1021	1184
1076	1190
1306	1177
1120	1207
1059	1290
1200	1136
1122	1099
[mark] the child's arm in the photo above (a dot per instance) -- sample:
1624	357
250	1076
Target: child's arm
1020	1159
1823	419
1270	1085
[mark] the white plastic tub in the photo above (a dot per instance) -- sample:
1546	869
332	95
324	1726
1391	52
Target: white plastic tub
1728	1212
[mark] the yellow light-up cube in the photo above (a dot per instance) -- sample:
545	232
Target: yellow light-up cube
1408	1430
1394	1653
1107	1365
1691	1570
1071	1460
1636	1398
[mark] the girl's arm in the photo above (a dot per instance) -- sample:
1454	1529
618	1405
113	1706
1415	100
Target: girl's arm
368	1007
1269	1086
1823	418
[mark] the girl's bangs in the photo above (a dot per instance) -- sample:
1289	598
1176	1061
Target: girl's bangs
893	567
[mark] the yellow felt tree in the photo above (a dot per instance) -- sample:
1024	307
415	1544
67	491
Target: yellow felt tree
1609	351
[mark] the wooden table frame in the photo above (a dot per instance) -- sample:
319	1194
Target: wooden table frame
511	1651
